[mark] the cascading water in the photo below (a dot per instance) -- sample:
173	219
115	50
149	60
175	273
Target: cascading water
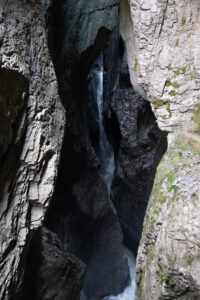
105	154
104	150
129	291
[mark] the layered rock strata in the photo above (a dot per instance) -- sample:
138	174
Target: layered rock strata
82	220
164	62
32	126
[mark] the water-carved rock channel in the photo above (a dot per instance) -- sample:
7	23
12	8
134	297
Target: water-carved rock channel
110	152
105	154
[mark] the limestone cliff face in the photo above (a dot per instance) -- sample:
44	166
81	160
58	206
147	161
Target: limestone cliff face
164	66
46	247
32	126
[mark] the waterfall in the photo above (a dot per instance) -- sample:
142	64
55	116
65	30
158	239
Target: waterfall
129	291
105	154
104	151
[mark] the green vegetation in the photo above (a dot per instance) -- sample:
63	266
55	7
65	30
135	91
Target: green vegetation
155	210
192	77
168	83
162	167
190	146
158	102
177	42
174	84
157	192
162	274
171	177
165	278
172	93
136	63
150	256
176	157
196	119
140	282
183	20
171	282
177	72
169	110
148	250
184	69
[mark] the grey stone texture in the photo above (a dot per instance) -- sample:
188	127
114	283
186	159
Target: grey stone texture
164	62
32	127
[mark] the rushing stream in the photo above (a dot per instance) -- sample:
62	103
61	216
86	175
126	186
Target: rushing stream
105	154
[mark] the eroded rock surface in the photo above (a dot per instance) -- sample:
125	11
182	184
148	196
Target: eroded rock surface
164	62
168	259
166	58
32	125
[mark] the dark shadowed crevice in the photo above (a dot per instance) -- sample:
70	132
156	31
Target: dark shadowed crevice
80	212
83	220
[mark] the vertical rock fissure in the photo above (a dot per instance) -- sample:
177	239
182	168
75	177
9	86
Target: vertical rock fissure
111	149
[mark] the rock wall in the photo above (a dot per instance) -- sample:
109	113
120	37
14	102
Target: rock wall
32	126
166	60
161	47
141	148
165	63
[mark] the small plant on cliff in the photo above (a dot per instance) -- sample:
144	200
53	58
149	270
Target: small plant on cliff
140	281
183	20
136	63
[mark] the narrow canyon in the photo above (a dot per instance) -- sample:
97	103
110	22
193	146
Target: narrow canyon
99	150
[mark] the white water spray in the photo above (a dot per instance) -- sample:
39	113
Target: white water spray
105	154
105	151
129	291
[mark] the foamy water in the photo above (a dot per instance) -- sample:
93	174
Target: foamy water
129	291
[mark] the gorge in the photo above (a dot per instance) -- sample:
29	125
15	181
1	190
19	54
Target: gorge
96	96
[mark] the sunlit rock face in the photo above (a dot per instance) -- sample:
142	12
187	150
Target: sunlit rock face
31	130
164	62
164	57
